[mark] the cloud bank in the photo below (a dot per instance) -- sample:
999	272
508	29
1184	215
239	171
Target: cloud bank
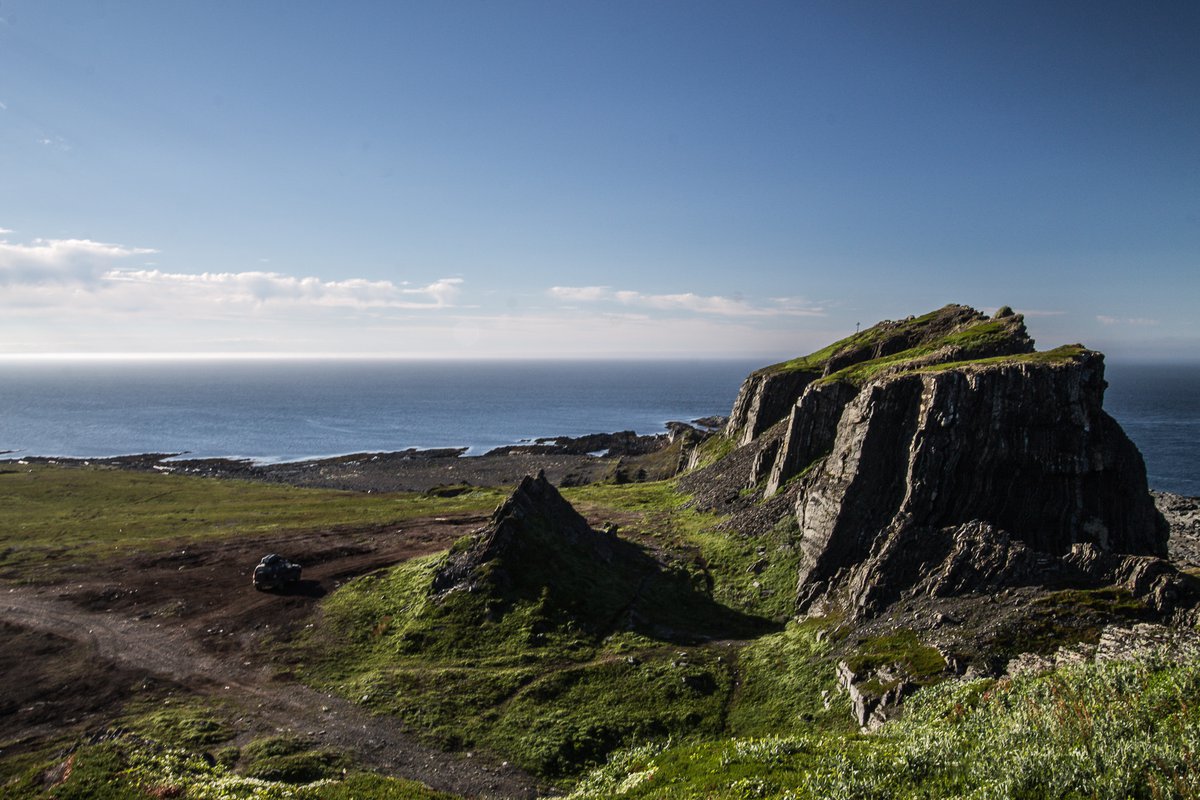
39	272
685	302
277	288
60	261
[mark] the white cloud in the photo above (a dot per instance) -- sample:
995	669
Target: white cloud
1138	321
276	288
77	274
57	261
687	302
57	142
581	293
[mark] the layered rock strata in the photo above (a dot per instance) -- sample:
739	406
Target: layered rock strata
951	333
961	459
940	455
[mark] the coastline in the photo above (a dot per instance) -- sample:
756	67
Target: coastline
403	471
567	461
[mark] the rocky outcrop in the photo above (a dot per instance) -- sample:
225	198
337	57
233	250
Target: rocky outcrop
940	455
811	392
765	398
621	443
875	696
1117	643
538	553
811	427
928	468
1155	581
1183	518
534	537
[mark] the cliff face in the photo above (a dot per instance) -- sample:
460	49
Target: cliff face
765	398
951	333
941	455
1023	447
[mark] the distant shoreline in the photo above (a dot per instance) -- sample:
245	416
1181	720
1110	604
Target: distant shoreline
566	461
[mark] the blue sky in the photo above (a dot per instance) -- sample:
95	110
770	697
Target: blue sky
582	179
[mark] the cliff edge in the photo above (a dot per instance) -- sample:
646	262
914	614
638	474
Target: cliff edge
942	455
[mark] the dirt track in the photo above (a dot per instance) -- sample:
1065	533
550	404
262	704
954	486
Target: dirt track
191	618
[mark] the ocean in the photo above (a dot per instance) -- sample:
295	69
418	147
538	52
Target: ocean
271	411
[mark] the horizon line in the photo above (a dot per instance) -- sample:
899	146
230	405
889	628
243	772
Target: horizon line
261	356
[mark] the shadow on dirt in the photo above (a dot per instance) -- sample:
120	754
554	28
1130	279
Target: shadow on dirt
303	588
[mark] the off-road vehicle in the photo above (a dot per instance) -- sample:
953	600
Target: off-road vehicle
275	572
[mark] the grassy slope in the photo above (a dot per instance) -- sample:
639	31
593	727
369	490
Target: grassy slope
57	514
180	746
975	338
524	679
1117	730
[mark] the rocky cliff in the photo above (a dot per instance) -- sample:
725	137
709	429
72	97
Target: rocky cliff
941	455
1021	445
948	334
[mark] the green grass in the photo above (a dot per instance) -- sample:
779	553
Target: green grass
981	337
917	663
1059	355
815	362
1109	731
713	449
128	766
549	681
52	515
177	746
756	575
788	684
557	660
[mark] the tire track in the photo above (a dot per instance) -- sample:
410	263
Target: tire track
379	742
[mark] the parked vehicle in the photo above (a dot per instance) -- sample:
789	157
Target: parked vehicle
275	572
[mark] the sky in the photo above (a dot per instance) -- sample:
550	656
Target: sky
578	179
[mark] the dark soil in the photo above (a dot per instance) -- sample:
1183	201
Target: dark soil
188	619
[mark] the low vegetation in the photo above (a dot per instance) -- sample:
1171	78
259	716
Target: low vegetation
51	515
1109	731
180	746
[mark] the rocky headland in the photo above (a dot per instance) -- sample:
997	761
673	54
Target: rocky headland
945	477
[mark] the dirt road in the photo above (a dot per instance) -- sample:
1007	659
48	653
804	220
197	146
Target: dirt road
188	618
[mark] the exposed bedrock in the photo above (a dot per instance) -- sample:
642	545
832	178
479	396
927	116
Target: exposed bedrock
809	434
926	465
952	333
764	398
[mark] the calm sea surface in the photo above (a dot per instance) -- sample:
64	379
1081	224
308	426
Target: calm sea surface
282	411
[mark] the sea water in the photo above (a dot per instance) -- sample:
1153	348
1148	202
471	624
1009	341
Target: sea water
290	410
1158	405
